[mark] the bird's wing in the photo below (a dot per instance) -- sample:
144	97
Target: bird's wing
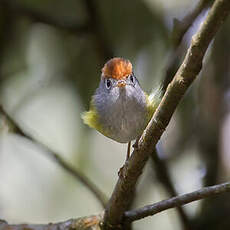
91	119
153	100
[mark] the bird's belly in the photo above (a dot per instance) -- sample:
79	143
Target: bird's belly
126	130
125	122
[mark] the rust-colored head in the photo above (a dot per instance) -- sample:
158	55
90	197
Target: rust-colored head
117	68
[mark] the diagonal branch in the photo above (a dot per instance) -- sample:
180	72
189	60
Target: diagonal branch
80	177
82	223
176	201
184	77
67	167
180	28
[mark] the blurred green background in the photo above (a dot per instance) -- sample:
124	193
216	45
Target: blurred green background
51	55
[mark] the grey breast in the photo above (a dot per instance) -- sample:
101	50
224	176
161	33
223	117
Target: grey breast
122	112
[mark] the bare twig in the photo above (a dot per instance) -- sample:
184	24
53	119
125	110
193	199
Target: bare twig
67	167
184	77
83	223
82	178
210	130
177	201
179	30
95	222
93	26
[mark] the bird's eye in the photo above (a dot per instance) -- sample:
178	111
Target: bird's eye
108	83
131	78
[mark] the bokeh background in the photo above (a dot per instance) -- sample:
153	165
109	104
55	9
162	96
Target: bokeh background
51	55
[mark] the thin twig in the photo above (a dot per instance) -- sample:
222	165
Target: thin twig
82	178
184	77
82	223
34	15
94	222
177	201
66	166
179	30
209	131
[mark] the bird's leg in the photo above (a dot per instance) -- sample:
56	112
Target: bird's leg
135	145
120	172
128	151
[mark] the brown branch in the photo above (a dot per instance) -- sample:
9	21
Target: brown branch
95	222
177	201
93	26
83	223
180	28
81	177
209	128
184	77
36	16
67	167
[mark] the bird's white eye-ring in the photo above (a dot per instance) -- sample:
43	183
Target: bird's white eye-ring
132	78
108	83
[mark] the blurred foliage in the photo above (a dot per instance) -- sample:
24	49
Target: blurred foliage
51	57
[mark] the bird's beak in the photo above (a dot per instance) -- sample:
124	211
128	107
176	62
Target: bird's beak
121	83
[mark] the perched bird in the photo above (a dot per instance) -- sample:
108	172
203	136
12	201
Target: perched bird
120	109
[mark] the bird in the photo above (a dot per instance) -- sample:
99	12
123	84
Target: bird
119	108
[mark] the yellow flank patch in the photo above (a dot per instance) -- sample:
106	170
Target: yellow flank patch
151	106
91	119
117	68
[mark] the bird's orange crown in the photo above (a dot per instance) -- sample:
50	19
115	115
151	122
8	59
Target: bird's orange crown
117	68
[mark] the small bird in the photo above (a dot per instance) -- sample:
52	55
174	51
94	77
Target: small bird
120	109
